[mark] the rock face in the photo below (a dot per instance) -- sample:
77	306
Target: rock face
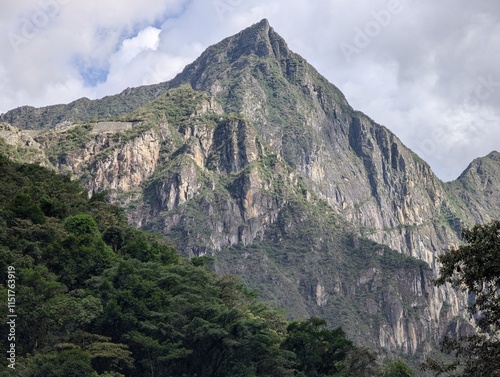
251	156
20	145
477	187
357	166
102	155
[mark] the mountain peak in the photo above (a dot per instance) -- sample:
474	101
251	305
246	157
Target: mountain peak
480	164
260	29
256	32
478	186
262	40
259	40
261	25
494	155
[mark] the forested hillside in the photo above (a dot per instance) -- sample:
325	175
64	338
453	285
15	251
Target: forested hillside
94	296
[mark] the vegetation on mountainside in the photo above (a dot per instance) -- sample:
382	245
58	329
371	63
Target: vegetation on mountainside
96	297
83	109
474	268
73	138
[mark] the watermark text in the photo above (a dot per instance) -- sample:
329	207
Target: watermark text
11	317
29	27
364	35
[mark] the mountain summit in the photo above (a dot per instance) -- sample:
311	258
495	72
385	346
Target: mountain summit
251	156
259	40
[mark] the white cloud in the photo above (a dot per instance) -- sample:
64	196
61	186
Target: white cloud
131	63
147	39
417	74
41	41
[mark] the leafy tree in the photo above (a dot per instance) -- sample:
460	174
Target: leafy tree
475	268
114	237
106	214
81	225
319	351
396	368
145	247
37	287
105	355
361	362
72	362
25	208
53	207
81	254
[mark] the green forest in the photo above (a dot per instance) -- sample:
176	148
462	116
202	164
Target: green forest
85	294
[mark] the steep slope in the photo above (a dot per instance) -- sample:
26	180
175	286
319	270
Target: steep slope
266	167
476	190
357	166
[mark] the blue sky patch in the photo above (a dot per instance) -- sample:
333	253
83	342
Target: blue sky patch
91	75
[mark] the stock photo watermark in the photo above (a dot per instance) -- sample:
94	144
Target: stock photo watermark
11	317
30	27
483	90
380	20
224	6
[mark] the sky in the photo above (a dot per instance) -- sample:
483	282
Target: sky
427	70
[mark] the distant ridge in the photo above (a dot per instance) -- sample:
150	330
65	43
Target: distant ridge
83	109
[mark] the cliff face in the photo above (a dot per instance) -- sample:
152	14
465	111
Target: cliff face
253	157
357	166
20	145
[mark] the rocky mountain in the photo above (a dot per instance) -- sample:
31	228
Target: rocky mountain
477	187
251	156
